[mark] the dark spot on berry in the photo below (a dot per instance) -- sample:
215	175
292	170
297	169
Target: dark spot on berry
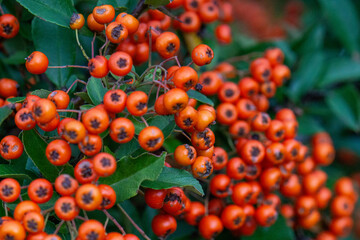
279	133
87	198
220	159
241	132
153	142
278	155
91	66
94	123
54	155
190	151
241	168
188	20
26	116
237	221
172	197
38	111
194	4
207	81
140	106
101	10
71	134
86	171
209	53
188	122
264	118
41	192
255	151
74	18
266	74
170	47
105	162
229	113
198	87
5	147
92	236
7	28
66	207
229	93
7	190
66	183
251	170
188	84
294	152
105	202
116	31
122	134
115	97
122	63
177	106
32	224
249	107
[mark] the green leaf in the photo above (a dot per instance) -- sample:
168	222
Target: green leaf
279	231
16	99
345	104
157	3
16	58
95	90
43	93
340	70
165	123
54	11
131	172
307	75
200	97
8	171
173	177
59	45
344	22
86	107
84	96
5	112
127	149
35	147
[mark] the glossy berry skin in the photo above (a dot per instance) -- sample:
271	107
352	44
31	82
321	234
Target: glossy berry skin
33	222
9	190
58	152
266	215
233	217
122	130
202	167
8	88
210	226
9	26
11	147
65	185
202	55
77	21
175	100
104	14
116	32
108	196
115	100
98	67
151	138
37	63
155	198
167	44
185	155
93	24
90	145
65	208
90	228
220	186
174	202
129	21
12	230
104	164
24	207
120	63
163	225
84	171
40	190
195	213
88	197
136	103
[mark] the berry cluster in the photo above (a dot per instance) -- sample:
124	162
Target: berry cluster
261	171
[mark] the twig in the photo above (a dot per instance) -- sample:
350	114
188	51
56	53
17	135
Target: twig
139	8
108	215
69	66
81	218
58	227
6	210
81	47
133	223
182	132
77	80
102	47
144	121
92	45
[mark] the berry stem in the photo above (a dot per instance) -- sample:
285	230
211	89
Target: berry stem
133	223
5	208
106	222
77	80
102	47
81	218
92	45
59	226
144	121
81	47
2	11
169	59
139	8
108	215
47	211
69	66
24	187
190	63
46	220
150	45
182	132
71	230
